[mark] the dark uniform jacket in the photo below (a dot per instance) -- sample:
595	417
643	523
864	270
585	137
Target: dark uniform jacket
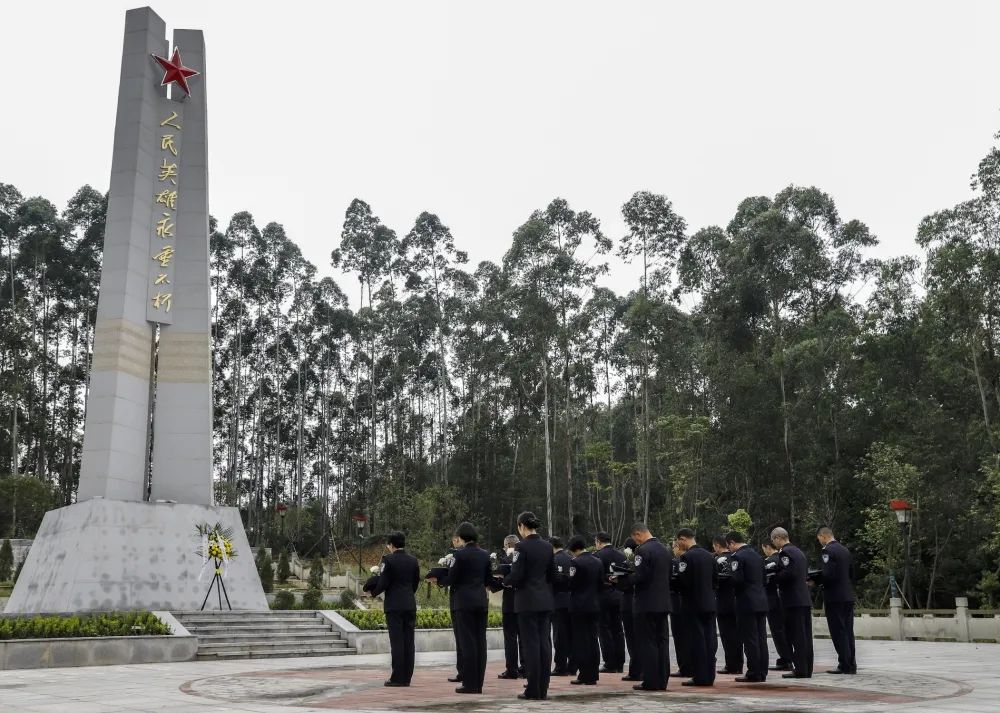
399	579
793	585
748	581
586	578
651	579
532	574
563	562
725	594
611	597
496	585
698	577
468	576
771	584
837	573
676	602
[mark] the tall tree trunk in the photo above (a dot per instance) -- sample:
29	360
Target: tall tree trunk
548	446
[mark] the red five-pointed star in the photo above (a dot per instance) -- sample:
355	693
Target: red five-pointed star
175	71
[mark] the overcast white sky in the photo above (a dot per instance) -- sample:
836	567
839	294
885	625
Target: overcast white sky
482	112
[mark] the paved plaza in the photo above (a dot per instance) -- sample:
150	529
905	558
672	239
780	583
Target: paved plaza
904	676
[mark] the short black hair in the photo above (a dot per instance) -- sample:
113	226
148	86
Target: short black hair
630	543
603	537
719	540
397	539
556	542
686	532
529	520
577	543
735	536
824	530
467	532
638	527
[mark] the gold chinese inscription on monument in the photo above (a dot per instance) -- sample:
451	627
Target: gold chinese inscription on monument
164	224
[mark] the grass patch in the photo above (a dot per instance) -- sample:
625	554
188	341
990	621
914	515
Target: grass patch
84	625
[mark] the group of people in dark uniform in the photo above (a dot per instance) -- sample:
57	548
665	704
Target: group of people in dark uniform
565	607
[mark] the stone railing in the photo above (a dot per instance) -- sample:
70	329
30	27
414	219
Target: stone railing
899	624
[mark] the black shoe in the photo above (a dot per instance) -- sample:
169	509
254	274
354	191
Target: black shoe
455	679
780	667
526	697
561	673
641	687
578	682
463	689
748	679
521	671
630	677
692	682
394	684
793	674
836	671
507	674
727	672
610	670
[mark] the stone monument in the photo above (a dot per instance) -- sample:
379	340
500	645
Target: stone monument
146	476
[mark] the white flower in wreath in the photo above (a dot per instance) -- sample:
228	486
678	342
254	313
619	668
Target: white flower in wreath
376	569
509	551
493	556
628	553
446	561
559	568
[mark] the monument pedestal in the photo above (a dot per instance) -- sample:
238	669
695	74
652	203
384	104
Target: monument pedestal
102	555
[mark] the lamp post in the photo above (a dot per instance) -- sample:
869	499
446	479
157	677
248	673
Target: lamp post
359	520
904	515
282	509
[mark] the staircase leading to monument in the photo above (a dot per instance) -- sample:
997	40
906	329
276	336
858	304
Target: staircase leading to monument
224	635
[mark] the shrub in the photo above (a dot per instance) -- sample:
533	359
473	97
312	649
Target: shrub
314	594
284	599
61	627
347	599
265	569
374	620
6	560
284	568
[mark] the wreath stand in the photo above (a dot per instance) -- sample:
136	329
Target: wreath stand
220	586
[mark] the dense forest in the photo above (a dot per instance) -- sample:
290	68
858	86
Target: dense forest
810	384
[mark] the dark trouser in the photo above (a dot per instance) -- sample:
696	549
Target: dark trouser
680	628
459	658
730	634
472	632
753	635
798	629
511	642
703	644
840	617
536	638
634	665
564	660
401	625
612	637
776	620
652	633
588	655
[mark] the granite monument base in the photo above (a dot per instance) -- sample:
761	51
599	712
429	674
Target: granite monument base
104	555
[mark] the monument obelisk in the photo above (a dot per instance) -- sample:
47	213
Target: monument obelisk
146	475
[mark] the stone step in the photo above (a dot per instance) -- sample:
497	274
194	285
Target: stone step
330	645
305	636
269	654
293	621
197	628
290	613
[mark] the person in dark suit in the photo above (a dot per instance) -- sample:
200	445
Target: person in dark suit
679	628
838	600
628	624
725	610
775	616
751	606
398	579
651	607
793	588
511	639
532	574
563	659
467	576
697	576
612	635
459	658
586	578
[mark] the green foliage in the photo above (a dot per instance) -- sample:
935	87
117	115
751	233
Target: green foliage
284	568
314	592
61	627
6	561
24	500
740	521
17	571
347	598
265	569
283	599
374	619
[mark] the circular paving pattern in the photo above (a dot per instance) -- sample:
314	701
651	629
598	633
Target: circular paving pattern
360	688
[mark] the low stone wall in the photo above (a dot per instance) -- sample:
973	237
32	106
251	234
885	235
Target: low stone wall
100	650
377	642
898	624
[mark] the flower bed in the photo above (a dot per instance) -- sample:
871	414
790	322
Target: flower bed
85	625
374	620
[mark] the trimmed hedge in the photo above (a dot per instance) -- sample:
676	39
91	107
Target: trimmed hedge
374	620
72	627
